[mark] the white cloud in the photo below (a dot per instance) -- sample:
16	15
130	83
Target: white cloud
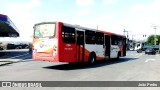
108	2
83	12
84	2
35	3
155	6
23	5
150	8
137	8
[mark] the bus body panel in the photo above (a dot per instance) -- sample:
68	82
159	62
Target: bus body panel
100	52
122	53
97	49
114	51
68	53
88	49
45	49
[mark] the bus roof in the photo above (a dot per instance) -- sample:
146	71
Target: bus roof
70	25
81	27
110	33
7	27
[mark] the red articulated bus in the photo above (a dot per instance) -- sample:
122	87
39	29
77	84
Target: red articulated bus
61	42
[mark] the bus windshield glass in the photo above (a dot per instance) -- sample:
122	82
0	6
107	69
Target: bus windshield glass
44	30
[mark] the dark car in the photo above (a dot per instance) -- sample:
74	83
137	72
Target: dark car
150	51
18	45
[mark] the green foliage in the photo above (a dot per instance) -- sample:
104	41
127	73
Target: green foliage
150	40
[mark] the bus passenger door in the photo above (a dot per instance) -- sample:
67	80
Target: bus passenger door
107	46
80	46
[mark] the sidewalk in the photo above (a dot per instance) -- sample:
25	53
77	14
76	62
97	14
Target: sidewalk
8	61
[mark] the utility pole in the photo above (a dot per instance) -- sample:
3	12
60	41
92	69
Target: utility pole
133	46
125	32
155	27
127	40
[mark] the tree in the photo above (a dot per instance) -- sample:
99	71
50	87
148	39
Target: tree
150	40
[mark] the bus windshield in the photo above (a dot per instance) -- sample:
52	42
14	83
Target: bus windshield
44	30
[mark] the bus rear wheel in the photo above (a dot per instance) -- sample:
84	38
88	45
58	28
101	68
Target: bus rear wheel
92	58
118	55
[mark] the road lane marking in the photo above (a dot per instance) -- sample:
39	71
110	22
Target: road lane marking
149	60
137	56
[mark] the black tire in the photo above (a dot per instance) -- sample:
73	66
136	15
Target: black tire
92	58
17	48
139	51
118	55
154	53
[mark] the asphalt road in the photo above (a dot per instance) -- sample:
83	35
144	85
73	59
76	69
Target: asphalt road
18	66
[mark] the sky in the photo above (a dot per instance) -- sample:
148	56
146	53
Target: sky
135	16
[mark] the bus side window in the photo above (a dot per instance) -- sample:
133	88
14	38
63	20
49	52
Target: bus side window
89	37
114	40
120	41
99	38
68	34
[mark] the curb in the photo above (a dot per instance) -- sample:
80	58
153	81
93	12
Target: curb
6	62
